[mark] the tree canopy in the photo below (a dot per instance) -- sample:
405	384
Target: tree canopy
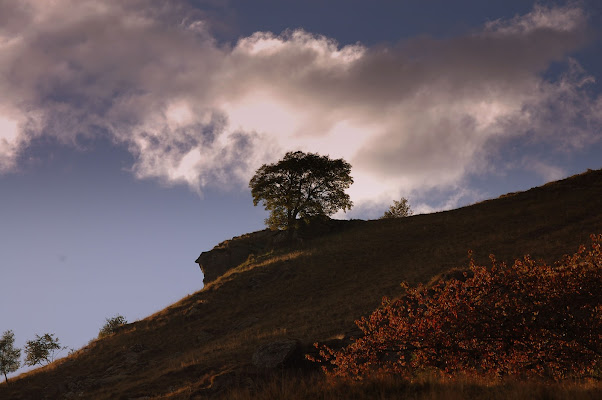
301	185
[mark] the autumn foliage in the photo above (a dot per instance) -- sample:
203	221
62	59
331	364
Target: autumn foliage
529	319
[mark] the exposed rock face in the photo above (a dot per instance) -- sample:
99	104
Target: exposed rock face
231	253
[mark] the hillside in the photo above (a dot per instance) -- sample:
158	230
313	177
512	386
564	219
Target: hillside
312	291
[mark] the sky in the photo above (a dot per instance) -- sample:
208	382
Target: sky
129	130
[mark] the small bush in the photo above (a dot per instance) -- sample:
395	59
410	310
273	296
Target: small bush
111	325
399	209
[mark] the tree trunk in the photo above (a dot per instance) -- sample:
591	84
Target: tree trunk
291	228
6	378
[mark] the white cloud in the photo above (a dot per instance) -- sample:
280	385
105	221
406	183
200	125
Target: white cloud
419	115
9	135
561	19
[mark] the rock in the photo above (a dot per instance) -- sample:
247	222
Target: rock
275	354
231	253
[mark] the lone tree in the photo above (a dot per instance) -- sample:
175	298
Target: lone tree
301	185
42	349
9	356
399	209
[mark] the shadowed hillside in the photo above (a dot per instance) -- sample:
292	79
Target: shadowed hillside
311	291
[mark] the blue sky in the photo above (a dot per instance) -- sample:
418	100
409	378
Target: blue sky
129	130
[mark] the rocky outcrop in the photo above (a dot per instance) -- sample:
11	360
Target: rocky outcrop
231	253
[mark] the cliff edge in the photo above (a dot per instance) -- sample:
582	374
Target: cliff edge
231	253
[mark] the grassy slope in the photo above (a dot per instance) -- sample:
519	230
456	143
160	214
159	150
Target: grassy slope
313	293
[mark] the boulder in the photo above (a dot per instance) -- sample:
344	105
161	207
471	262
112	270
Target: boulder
275	354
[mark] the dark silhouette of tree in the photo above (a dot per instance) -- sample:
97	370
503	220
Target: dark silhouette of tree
9	356
42	349
399	209
301	185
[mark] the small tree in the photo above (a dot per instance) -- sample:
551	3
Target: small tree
111	325
399	209
301	185
42	349
9	356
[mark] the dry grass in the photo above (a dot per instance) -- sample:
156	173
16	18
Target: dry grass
428	387
314	292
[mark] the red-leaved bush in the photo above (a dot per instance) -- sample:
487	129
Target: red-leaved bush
528	319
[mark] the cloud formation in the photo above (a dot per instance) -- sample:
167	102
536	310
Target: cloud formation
419	115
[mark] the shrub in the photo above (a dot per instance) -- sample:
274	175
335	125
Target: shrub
528	319
42	350
399	209
111	325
